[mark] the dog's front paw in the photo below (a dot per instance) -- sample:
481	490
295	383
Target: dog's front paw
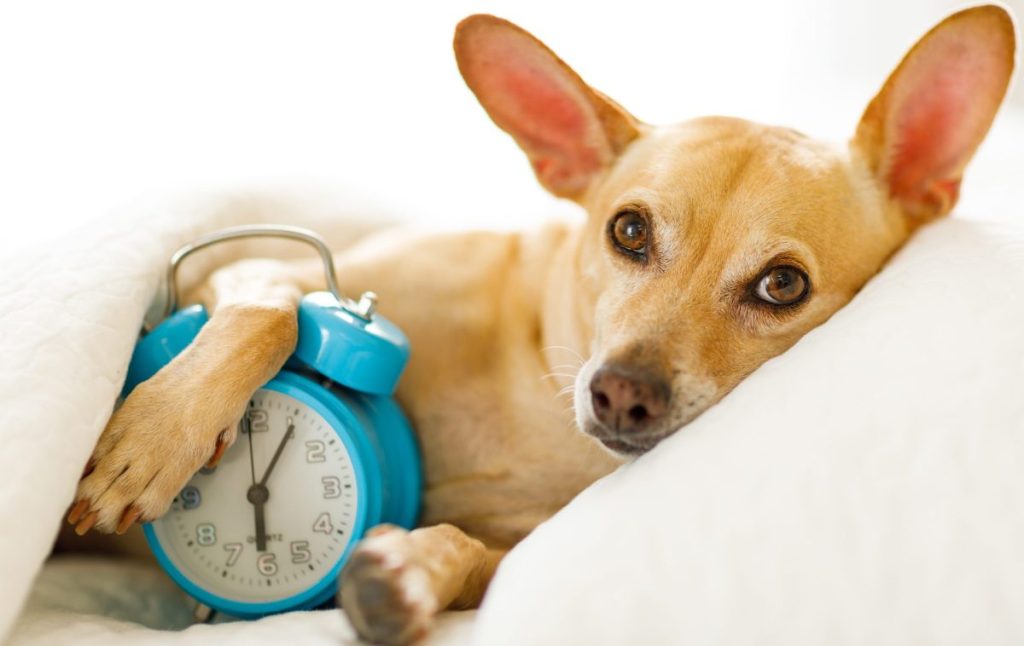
167	429
385	589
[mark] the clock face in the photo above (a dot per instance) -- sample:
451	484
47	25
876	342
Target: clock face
275	516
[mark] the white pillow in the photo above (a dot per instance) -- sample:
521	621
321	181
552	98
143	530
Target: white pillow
866	487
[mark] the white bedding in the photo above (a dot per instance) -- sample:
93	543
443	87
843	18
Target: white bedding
107	602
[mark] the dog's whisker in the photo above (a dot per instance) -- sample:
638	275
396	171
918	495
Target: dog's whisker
576	355
566	391
570	366
551	375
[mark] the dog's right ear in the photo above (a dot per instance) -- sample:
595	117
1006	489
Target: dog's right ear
922	128
570	132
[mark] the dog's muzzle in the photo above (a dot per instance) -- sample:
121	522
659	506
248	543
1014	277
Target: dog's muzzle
628	405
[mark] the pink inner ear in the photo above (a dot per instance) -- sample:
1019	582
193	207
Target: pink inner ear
942	106
543	112
533	97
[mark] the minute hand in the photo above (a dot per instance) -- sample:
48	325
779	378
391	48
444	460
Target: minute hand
277	454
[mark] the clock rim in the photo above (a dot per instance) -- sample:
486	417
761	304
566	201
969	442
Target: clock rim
340	419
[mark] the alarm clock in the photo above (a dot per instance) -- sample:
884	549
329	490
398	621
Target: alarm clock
322	455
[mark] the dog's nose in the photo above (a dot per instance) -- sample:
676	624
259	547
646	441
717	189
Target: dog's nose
627	400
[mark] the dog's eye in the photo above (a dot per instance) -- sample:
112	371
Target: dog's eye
782	286
628	230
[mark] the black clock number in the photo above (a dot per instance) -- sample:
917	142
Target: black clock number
206	534
234	551
332	486
267	564
323	524
315	451
300	551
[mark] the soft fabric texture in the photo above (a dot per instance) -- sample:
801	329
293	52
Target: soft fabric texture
89	600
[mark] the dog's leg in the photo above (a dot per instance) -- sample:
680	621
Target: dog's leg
396	581
187	414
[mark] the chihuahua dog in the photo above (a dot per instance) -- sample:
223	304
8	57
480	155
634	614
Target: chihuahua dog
709	247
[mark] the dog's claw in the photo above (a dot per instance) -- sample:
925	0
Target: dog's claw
218	451
78	510
86	524
131	515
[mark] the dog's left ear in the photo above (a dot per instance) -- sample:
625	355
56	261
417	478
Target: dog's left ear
570	132
920	131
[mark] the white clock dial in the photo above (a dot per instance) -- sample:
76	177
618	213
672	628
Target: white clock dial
212	533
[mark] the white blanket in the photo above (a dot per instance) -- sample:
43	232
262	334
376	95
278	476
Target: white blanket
84	600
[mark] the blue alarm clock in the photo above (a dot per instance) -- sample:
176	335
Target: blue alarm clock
323	454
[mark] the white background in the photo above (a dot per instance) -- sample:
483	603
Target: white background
102	102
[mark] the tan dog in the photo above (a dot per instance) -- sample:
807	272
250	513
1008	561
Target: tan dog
709	247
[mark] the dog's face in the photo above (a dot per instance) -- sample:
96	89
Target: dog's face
713	245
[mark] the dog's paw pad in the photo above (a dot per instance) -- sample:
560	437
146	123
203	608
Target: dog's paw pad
387	597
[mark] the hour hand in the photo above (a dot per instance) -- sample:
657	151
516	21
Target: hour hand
257	494
258	497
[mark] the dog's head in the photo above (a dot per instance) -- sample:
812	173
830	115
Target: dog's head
715	244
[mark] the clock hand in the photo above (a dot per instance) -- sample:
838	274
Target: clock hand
247	427
259	501
258	493
280	447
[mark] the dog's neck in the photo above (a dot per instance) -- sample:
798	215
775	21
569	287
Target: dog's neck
564	304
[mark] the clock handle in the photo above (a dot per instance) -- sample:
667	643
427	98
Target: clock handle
364	309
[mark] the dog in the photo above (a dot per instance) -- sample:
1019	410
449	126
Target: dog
708	248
